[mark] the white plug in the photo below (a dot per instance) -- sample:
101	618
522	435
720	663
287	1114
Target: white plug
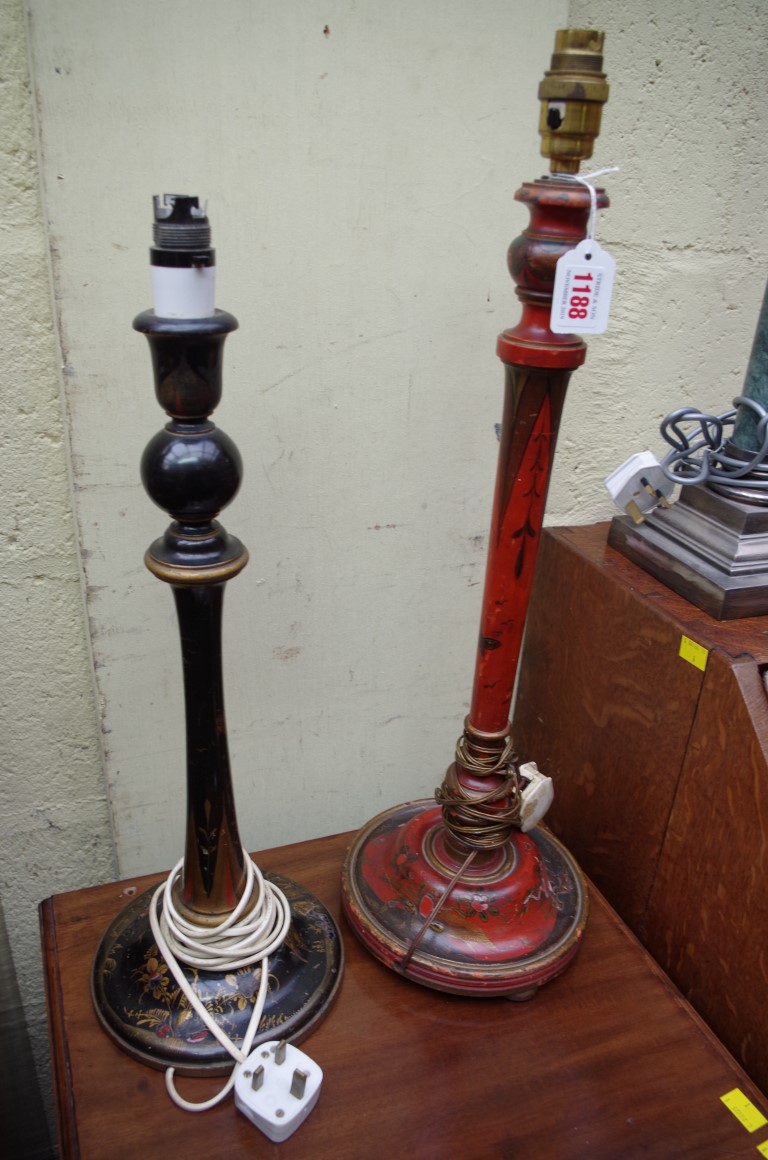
276	1087
536	798
639	486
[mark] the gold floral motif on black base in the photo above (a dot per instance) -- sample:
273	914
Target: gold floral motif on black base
143	1009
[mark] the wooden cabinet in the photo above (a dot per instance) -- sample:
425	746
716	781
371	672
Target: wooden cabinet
660	769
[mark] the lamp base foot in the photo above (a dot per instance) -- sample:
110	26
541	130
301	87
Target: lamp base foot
513	919
143	1010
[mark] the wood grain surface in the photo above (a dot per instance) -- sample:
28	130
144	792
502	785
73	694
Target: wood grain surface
605	708
707	921
606	1062
660	769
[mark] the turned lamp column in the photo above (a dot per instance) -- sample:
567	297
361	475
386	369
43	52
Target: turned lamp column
192	470
538	366
468	895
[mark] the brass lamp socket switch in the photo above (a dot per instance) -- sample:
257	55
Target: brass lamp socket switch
572	96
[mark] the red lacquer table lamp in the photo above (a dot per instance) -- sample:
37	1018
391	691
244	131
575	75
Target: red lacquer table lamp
467	894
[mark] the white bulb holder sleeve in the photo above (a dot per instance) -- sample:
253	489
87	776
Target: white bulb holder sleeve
183	264
184	292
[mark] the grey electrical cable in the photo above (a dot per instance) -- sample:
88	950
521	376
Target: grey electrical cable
707	458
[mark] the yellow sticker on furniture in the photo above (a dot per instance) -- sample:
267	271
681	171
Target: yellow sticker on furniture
744	1110
763	1148
694	653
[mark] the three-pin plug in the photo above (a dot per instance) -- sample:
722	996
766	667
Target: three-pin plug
639	486
276	1087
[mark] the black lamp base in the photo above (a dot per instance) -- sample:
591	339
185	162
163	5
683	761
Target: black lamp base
144	1011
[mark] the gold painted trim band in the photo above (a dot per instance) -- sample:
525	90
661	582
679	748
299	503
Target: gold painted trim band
205	574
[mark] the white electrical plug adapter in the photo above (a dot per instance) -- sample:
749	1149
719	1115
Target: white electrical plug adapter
276	1087
537	796
639	486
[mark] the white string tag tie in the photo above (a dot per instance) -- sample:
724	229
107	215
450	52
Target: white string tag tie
581	298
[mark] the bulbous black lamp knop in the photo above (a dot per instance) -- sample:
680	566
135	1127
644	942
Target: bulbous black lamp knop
192	470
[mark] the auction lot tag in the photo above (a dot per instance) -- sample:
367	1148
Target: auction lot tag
581	300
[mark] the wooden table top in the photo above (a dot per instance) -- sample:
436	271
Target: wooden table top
607	1062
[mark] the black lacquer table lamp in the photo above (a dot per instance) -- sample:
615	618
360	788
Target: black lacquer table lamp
216	915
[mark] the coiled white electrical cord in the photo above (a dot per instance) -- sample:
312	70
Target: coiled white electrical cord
255	929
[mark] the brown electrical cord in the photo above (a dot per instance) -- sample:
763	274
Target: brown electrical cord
477	820
495	762
440	904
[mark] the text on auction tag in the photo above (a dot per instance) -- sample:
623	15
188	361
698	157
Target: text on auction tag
581	300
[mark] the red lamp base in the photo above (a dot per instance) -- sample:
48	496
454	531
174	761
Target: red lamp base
503	925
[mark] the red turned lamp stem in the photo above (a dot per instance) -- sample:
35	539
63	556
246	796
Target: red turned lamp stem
469	895
538	366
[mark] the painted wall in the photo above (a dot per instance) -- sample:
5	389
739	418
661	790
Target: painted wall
687	227
359	160
54	821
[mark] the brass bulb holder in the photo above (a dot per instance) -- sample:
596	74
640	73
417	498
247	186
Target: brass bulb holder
572	96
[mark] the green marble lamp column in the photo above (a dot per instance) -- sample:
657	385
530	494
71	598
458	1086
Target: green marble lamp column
712	545
755	386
